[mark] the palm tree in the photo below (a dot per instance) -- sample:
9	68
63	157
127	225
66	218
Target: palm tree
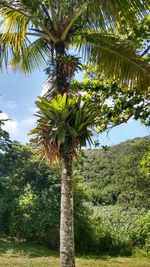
39	33
62	127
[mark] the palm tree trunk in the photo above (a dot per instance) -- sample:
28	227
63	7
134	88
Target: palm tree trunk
61	79
67	254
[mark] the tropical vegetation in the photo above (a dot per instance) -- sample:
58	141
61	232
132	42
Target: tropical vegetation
42	33
109	218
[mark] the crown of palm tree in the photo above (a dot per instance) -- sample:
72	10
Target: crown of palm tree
34	31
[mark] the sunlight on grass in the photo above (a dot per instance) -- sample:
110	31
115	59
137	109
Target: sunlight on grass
24	261
113	262
25	255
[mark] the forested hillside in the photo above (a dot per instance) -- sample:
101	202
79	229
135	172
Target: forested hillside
115	175
111	197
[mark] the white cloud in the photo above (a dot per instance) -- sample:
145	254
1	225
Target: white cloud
3	116
10	126
29	122
18	130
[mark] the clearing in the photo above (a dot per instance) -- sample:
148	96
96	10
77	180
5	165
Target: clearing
25	255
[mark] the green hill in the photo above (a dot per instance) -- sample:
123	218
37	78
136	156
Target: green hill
114	176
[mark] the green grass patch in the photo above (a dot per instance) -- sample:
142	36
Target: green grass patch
27	255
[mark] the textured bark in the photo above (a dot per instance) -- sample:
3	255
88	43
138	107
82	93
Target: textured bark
67	252
67	255
61	79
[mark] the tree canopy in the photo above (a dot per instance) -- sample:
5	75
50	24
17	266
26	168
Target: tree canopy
35	32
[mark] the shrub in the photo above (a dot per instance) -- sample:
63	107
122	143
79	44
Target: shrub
141	234
114	228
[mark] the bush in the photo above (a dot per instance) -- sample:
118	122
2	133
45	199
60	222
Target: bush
141	234
114	227
37	217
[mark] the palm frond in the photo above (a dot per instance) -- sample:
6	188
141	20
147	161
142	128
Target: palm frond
13	36
104	13
71	20
32	57
14	21
51	5
56	21
31	11
7	48
115	58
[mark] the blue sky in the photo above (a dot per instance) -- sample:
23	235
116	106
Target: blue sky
17	96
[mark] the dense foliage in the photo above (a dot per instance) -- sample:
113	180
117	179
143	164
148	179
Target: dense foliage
30	198
116	175
4	136
113	181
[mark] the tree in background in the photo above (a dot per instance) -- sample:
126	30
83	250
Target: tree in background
4	136
30	199
94	28
25	181
145	164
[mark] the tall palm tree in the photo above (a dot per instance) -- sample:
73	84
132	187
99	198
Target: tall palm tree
39	33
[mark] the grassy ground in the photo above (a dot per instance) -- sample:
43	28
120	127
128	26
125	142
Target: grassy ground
24	255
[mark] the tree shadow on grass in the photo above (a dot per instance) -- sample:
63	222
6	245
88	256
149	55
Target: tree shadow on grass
25	249
31	250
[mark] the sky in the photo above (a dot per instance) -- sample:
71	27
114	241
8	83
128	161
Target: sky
18	94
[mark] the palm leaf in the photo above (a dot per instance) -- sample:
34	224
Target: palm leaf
100	49
104	13
33	13
115	58
14	21
13	36
32	57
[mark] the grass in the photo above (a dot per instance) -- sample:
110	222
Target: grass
25	255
